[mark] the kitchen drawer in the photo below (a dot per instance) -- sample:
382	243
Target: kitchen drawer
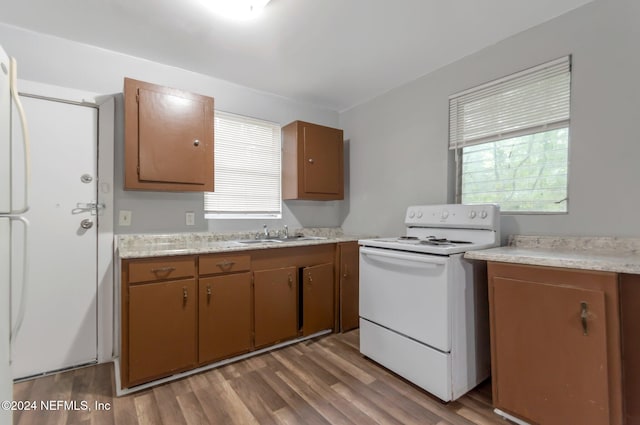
218	264
161	269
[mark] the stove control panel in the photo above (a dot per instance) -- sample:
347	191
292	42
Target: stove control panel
478	216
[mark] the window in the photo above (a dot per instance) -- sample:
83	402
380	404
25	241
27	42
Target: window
247	169
511	139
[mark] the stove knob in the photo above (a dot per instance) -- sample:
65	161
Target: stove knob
483	214
419	214
412	214
472	214
444	214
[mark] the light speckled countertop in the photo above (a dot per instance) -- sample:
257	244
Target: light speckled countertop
620	255
154	245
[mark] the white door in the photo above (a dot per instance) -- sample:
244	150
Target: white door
59	329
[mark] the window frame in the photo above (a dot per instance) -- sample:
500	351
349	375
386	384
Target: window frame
458	149
210	214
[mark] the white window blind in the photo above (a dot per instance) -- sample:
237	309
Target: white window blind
247	168
511	140
528	102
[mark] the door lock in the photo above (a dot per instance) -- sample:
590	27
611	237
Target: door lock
86	224
93	207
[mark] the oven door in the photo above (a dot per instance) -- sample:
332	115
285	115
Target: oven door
407	293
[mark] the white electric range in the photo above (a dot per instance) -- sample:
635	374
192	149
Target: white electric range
423	307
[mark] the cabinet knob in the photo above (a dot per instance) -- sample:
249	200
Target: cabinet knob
196	142
185	294
584	313
208	293
310	160
290	281
226	264
163	270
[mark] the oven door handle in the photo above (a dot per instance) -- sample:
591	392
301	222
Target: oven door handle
396	255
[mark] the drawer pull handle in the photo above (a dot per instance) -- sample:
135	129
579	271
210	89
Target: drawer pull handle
290	281
208	294
167	270
226	265
583	317
185	294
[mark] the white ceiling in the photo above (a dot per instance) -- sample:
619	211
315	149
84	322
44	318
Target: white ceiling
330	53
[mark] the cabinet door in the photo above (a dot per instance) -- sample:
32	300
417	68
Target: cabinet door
322	160
162	329
349	286
168	138
549	364
224	316
317	299
630	306
275	305
171	138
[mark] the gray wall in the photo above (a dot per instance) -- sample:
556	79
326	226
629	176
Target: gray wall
398	141
64	63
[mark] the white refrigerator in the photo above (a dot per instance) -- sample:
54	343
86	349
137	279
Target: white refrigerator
9	214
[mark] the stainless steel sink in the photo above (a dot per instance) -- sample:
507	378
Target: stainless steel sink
259	241
281	240
302	238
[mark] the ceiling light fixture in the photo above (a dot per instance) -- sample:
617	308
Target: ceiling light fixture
236	9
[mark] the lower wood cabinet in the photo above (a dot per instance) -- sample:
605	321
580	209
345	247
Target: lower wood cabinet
555	344
349	285
161	329
317	298
182	312
224	316
630	306
275	305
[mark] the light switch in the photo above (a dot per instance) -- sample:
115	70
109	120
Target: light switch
124	218
190	218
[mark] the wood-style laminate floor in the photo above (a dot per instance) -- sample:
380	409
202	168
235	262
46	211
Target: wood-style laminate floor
320	381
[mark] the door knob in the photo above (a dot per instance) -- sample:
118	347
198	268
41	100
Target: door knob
86	224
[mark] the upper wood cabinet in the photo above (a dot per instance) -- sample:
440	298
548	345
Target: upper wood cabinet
312	162
168	139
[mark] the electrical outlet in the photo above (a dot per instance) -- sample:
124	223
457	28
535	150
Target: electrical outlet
124	218
190	218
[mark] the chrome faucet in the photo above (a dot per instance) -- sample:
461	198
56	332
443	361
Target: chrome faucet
265	231
285	232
